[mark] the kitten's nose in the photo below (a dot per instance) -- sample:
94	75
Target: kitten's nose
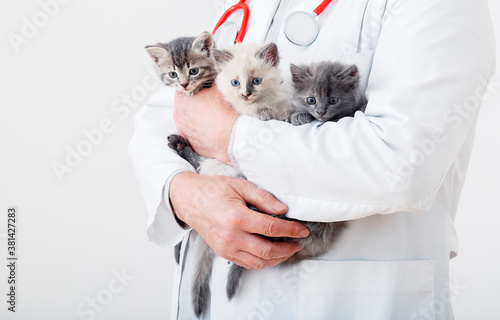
246	95
321	113
184	85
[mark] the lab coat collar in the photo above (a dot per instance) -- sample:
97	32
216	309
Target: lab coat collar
259	24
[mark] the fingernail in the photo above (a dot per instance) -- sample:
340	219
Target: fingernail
279	206
304	233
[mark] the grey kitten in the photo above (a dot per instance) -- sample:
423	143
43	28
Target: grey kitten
249	78
186	64
325	91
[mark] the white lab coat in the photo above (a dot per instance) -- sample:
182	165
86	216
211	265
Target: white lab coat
395	172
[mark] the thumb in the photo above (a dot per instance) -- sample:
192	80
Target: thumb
264	201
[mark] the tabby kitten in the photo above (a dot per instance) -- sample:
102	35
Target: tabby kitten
186	64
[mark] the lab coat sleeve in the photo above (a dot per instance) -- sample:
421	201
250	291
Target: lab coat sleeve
429	74
156	164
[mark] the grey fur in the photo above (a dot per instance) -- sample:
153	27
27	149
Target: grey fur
190	59
201	285
233	280
181	56
179	144
324	81
177	252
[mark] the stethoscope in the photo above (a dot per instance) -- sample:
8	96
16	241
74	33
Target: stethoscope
301	27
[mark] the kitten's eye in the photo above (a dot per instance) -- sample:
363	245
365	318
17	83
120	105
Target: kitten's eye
311	100
194	71
172	74
333	100
235	83
257	81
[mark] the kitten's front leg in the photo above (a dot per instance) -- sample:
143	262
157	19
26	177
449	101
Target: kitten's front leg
286	116
181	146
300	118
265	113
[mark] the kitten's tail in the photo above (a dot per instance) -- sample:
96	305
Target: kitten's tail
233	280
177	252
201	285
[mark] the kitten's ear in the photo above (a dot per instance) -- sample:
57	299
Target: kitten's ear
300	76
204	43
222	56
158	54
269	54
349	76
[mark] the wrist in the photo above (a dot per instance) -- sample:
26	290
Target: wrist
179	185
227	131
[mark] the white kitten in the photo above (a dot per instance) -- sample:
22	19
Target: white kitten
250	80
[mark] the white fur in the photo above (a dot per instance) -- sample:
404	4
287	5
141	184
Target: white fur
212	167
272	93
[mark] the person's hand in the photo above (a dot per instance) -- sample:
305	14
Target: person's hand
206	120
216	207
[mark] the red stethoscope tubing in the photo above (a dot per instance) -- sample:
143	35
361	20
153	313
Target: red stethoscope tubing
246	13
322	7
244	23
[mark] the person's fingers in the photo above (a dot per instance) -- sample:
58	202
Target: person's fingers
261	199
258	223
241	263
268	250
252	251
249	261
267	203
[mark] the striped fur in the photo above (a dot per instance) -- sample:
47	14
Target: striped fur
186	64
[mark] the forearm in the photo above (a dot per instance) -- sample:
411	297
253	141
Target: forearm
424	92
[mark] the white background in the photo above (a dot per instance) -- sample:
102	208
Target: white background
76	233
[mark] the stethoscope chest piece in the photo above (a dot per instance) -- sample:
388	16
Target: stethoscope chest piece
301	28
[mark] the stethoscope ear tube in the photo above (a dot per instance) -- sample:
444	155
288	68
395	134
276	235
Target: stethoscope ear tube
244	23
301	27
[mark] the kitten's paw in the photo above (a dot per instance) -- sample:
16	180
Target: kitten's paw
298	119
177	142
286	116
265	113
